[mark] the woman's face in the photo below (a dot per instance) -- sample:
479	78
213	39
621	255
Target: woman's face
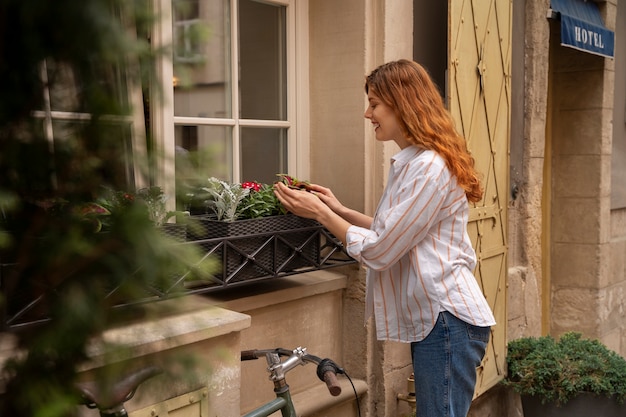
384	120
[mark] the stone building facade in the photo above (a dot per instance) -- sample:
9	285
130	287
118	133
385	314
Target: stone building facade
565	210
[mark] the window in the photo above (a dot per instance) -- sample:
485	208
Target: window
121	136
233	89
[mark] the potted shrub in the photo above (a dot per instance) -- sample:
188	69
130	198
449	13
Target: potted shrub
572	376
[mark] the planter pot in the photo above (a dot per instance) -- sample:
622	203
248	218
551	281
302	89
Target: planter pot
584	405
210	228
259	248
176	231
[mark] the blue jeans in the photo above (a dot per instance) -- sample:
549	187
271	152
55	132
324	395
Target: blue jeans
444	364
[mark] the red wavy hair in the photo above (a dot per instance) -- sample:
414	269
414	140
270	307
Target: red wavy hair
407	88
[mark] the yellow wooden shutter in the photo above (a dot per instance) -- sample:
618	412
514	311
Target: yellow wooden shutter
479	90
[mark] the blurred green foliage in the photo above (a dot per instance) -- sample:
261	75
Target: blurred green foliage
54	252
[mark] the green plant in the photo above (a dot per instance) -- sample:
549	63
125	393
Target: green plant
248	200
151	199
114	202
293	182
556	371
260	202
154	200
93	213
225	199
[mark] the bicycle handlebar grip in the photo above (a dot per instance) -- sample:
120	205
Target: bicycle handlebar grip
248	355
332	383
327	372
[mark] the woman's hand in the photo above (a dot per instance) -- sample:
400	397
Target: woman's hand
300	202
318	202
312	204
327	196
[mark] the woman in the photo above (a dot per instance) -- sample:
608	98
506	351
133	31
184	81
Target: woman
419	258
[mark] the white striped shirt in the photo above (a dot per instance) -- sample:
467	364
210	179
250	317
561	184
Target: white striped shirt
418	254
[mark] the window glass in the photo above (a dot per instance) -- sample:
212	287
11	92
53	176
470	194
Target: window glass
202	74
263	154
263	77
62	87
73	94
203	152
66	85
230	120
113	145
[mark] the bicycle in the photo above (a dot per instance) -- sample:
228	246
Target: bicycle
110	402
327	371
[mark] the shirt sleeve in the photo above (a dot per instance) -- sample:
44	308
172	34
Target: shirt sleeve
402	221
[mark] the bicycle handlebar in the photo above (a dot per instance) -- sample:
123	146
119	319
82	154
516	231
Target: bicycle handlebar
327	369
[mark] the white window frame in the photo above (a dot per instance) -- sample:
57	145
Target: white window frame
297	123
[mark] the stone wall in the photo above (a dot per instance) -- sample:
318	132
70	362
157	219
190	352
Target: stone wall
615	303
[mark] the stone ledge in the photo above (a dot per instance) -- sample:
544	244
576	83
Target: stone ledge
187	321
163	333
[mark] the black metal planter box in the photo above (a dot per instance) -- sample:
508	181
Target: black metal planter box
211	229
266	247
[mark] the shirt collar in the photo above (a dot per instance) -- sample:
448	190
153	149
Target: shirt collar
406	154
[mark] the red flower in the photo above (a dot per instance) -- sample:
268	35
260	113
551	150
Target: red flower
251	185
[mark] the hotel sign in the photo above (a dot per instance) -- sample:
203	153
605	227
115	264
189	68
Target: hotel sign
582	27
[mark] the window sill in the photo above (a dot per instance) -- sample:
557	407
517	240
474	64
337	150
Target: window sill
267	293
169	331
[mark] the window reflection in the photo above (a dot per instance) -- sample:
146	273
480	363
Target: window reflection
68	86
203	88
202	58
263	154
263	78
76	130
203	152
112	144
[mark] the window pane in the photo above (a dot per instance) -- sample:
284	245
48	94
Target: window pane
68	87
202	58
106	153
263	154
203	152
263	78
